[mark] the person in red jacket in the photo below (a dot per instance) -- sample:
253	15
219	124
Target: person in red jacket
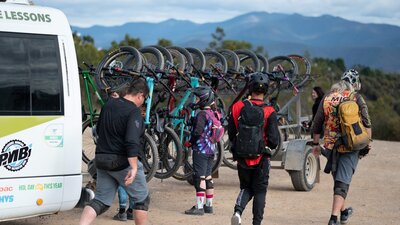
254	172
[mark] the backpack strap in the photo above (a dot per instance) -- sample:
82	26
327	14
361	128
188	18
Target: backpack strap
247	102
209	113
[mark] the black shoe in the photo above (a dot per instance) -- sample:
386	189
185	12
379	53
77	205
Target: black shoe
120	216
208	209
344	217
195	211
332	222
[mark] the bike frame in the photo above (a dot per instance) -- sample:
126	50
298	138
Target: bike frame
176	120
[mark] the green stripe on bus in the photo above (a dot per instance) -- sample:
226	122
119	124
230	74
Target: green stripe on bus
13	124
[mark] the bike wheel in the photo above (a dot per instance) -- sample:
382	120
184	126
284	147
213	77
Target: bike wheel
215	60
286	66
249	62
88	140
188	57
150	159
170	153
264	66
232	59
199	61
154	59
304	67
166	55
178	60
127	58
228	157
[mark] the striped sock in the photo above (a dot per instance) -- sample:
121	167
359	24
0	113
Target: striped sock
200	199
209	200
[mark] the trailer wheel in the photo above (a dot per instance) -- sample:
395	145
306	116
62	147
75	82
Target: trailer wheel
305	179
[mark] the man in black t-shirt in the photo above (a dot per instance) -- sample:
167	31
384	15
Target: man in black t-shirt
120	140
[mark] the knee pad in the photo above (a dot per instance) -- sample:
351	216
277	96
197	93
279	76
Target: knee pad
209	184
196	181
98	206
144	205
341	189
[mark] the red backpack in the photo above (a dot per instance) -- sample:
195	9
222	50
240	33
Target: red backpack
217	128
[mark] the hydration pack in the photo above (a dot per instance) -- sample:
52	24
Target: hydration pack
217	130
249	139
354	135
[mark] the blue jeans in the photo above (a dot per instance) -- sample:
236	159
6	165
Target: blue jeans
123	198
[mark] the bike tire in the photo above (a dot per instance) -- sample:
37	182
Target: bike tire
150	159
228	157
217	60
154	59
124	57
264	66
188	58
232	59
304	67
166	55
169	160
249	62
199	61
289	66
88	140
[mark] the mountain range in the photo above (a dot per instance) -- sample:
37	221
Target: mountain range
373	45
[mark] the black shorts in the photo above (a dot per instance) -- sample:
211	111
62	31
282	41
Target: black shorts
202	164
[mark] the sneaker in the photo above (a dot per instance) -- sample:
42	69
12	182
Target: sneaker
236	220
120	216
344	218
195	211
129	215
208	209
332	222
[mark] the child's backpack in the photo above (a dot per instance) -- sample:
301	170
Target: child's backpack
217	130
249	139
354	135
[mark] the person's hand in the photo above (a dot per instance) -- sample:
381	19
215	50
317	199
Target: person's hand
316	150
130	177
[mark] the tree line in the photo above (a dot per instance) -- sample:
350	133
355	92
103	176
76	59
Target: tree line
380	89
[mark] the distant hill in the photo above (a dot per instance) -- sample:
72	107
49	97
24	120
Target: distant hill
373	45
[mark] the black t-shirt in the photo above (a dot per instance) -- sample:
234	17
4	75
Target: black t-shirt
120	129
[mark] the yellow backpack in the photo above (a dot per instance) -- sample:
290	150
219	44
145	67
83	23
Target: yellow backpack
354	134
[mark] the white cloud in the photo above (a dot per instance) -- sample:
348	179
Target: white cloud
116	12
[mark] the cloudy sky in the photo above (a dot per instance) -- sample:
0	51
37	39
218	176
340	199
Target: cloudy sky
116	12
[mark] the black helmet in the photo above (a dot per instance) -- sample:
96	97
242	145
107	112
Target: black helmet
205	94
258	83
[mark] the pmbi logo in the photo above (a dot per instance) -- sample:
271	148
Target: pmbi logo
14	155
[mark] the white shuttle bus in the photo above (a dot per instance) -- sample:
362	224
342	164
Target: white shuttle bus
40	112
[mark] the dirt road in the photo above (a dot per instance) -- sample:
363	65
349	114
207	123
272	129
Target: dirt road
374	194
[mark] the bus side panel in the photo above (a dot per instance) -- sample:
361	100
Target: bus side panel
73	124
22	197
71	192
72	155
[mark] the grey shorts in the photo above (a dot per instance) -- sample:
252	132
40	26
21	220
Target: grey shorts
346	166
108	181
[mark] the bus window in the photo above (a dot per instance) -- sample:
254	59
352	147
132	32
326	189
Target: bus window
30	75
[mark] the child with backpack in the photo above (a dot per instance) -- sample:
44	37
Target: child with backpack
253	129
206	132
